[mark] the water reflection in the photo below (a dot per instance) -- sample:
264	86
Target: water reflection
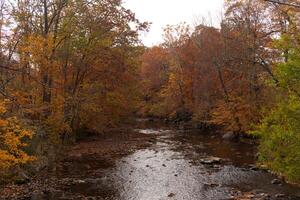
171	169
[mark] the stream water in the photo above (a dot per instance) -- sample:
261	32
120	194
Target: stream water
172	168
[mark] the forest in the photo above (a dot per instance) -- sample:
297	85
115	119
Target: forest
243	76
70	68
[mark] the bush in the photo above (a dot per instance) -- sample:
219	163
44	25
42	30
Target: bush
13	139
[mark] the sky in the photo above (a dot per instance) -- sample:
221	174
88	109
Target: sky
164	12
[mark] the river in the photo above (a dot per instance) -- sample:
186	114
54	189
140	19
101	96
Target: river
175	166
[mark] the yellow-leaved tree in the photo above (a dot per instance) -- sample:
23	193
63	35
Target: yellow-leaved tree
13	139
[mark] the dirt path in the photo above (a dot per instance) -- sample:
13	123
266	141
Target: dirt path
152	161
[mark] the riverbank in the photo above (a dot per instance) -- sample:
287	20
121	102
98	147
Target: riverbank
88	156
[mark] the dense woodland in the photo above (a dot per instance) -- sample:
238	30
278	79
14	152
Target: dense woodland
65	66
69	66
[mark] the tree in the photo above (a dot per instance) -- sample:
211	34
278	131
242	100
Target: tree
153	73
80	58
279	129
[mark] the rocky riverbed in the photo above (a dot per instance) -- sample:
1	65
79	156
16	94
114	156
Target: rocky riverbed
153	161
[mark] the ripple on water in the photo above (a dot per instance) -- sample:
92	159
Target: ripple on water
152	131
170	169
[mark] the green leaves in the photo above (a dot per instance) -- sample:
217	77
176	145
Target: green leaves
280	139
280	129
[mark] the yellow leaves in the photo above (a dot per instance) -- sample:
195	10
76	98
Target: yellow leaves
39	44
12	141
40	49
172	88
6	159
56	126
21	97
2	108
236	114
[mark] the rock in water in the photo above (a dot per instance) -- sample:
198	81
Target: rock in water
171	195
210	160
230	136
276	181
253	167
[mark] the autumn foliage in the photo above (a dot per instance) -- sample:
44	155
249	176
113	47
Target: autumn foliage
14	137
242	76
77	62
201	72
78	65
66	66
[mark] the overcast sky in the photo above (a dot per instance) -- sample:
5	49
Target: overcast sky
164	12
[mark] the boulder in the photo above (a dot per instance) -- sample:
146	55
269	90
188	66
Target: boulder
253	167
230	136
276	181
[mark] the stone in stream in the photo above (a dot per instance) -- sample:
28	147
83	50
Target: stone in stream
151	140
92	180
208	185
216	166
78	182
210	160
257	191
253	195
171	195
230	136
276	181
262	196
253	167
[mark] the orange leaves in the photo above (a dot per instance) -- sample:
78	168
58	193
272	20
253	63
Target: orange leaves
211	72
39	47
3	123
181	71
2	108
154	67
78	60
